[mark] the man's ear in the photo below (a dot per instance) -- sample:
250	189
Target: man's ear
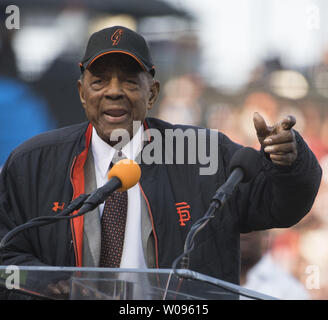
81	91
154	92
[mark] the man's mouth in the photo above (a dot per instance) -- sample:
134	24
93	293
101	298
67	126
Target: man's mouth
116	115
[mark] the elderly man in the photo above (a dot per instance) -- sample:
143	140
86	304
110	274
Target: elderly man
147	225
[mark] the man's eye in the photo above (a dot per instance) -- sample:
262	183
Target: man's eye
97	84
131	81
97	81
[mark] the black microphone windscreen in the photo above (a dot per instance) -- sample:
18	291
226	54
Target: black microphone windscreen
247	159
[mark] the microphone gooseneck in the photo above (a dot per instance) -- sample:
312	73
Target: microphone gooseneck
245	164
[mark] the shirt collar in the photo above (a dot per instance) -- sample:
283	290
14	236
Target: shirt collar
103	153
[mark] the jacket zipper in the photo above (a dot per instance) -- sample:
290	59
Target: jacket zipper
73	241
71	253
152	224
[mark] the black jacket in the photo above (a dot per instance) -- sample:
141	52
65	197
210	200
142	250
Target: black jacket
46	172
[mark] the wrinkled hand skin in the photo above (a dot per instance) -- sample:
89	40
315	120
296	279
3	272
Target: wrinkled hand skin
60	289
278	141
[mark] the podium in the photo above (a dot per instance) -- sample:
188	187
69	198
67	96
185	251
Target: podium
117	284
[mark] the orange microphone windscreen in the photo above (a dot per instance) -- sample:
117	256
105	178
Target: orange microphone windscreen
128	171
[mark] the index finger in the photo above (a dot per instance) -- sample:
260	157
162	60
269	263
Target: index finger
260	125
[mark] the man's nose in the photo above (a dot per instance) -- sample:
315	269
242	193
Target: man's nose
114	89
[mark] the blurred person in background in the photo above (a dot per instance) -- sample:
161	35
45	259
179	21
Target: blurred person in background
258	101
181	101
23	114
313	235
260	271
313	129
225	118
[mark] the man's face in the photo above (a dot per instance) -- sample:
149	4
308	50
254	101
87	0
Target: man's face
115	92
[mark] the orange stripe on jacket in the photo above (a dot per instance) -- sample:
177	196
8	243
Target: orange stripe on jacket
77	179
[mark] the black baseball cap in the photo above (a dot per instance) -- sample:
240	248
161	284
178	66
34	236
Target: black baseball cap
120	40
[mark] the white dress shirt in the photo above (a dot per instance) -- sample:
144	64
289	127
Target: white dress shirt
103	153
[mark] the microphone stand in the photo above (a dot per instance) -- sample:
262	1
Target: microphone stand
217	201
189	242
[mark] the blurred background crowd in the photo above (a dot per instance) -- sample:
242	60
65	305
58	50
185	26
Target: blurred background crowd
218	64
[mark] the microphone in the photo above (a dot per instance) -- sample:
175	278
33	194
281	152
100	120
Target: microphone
245	164
123	175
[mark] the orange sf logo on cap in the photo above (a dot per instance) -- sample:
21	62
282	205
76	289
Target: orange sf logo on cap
116	36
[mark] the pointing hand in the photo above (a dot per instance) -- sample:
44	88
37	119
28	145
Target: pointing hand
279	140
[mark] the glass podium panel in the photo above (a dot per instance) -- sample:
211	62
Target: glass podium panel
117	284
